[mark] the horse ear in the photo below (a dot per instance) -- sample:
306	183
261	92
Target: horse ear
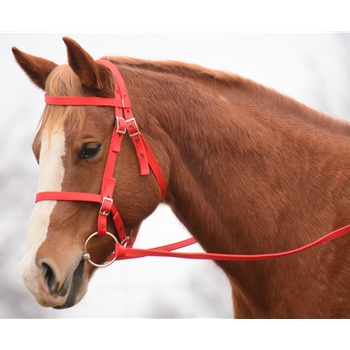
37	68
91	74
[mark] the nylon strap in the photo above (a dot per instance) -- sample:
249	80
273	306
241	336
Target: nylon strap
82	101
123	253
85	197
134	132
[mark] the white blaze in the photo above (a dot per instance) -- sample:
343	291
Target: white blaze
51	172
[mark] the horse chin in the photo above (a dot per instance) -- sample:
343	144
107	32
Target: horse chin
77	288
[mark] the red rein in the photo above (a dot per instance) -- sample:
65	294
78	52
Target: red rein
126	122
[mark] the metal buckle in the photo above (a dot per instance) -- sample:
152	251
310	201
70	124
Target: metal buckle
86	255
134	126
118	124
106	212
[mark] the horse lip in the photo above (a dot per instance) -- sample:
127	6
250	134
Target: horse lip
73	288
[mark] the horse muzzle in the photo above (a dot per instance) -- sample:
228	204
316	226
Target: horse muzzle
55	288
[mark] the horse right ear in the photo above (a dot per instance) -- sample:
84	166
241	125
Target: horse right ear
37	68
92	75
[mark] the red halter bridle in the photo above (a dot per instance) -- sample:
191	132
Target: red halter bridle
123	245
124	121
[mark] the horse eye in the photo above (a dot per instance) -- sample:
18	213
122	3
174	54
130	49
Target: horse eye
89	150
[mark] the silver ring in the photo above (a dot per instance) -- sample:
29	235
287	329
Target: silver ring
86	255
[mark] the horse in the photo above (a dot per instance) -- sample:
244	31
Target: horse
246	169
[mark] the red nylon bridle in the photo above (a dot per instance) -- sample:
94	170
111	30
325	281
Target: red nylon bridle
125	122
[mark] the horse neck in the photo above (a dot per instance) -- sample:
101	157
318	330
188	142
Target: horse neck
251	172
244	159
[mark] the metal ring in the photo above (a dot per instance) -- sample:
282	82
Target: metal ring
86	255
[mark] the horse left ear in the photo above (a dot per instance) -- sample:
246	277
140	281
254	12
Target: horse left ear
91	74
37	68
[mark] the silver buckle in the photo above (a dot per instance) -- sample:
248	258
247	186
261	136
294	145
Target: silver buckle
136	126
117	126
105	213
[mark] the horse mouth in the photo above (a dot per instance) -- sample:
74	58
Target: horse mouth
72	288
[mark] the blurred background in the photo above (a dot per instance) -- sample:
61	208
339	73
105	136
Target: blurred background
312	68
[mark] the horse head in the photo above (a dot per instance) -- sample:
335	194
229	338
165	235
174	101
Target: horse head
71	147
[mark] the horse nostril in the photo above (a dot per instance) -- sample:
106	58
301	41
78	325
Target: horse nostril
50	278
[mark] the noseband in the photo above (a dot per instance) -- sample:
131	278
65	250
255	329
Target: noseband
124	121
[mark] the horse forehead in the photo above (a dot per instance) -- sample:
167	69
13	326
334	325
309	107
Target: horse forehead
96	121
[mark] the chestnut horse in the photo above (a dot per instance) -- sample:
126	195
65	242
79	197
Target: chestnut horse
247	171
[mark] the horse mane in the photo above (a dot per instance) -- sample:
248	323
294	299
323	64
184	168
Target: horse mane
188	71
222	85
238	90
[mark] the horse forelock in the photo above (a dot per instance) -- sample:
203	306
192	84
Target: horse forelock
61	82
